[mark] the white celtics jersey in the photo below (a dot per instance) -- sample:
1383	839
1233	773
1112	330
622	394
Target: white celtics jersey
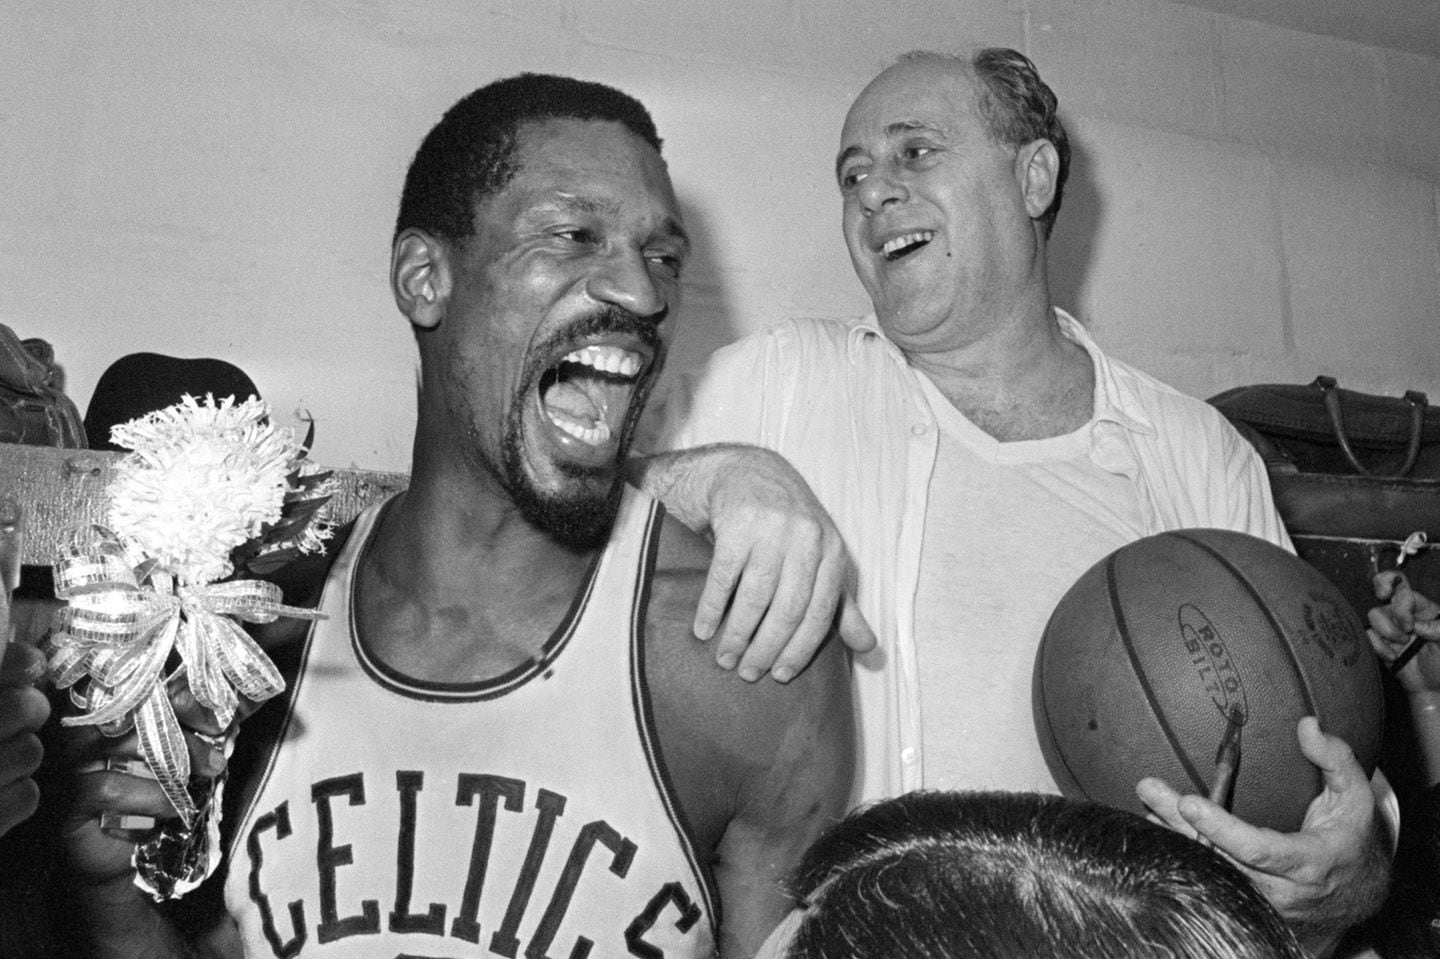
525	815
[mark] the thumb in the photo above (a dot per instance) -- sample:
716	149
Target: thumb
855	632
1331	754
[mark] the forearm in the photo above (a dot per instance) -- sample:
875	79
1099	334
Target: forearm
682	479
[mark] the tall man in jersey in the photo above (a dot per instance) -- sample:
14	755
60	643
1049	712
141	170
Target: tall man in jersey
503	738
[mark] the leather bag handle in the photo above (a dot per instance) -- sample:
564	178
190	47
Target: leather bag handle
1417	400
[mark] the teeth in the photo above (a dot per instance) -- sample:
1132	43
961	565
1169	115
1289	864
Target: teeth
591	436
892	247
607	359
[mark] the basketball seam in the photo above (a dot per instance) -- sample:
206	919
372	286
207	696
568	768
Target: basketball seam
1296	667
1122	628
1050	723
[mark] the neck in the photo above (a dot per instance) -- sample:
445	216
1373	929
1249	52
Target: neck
457	585
1020	378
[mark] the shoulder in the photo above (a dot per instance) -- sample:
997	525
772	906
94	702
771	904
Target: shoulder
1192	452
743	392
808	337
1175	415
717	728
682	562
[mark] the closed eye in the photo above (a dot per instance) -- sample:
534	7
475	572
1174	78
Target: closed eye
851	178
576	235
669	262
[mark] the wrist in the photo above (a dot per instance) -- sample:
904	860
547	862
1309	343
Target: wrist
684	480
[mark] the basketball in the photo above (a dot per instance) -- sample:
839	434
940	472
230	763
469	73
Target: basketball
1160	647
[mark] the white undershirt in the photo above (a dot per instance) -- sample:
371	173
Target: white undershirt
1009	527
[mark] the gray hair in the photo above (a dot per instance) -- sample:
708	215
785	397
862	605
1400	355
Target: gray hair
1017	106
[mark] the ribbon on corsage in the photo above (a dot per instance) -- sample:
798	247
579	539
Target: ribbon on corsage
210	488
113	639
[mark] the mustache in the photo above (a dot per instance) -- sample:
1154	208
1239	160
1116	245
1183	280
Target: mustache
608	319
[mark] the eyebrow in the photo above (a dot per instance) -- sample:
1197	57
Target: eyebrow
670	227
845	154
894	129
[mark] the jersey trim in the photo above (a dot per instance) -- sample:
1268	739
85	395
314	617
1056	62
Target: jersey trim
645	721
269	737
476	691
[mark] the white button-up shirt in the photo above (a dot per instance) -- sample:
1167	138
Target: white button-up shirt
843	405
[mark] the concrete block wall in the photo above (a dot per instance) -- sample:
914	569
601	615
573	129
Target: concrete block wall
1248	204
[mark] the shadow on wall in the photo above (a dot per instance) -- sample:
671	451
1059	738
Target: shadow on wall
1072	244
706	319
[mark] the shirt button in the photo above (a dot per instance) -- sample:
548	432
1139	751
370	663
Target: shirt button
918	429
907	755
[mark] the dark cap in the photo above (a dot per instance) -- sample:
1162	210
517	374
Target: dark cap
141	383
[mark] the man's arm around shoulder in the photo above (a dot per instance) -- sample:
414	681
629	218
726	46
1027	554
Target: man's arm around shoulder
760	769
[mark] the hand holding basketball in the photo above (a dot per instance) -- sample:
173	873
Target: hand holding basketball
1161	647
1324	878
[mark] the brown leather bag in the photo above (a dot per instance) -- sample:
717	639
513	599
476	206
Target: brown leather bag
33	407
1341	462
1354	476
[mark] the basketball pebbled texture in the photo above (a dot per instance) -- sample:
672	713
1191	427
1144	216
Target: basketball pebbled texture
1149	652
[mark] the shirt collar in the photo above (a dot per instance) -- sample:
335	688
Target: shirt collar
866	328
1114	403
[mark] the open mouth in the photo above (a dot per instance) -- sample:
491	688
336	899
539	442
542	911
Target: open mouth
587	394
902	246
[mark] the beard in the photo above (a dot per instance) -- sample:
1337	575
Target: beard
581	514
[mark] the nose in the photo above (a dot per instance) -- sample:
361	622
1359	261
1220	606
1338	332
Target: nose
623	278
880	188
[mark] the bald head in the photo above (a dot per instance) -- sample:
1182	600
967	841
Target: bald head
1002	88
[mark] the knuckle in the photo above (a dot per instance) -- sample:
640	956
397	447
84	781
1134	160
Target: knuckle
789	609
23	708
762	651
29	754
724	564
37	707
20	756
732	643
19	800
765	567
819	616
709	610
753	598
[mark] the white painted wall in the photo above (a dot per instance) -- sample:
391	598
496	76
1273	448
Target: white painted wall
219	179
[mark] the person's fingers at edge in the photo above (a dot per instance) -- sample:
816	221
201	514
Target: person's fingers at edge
20	664
22	708
18	802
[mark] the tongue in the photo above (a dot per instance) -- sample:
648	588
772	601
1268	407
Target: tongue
572	402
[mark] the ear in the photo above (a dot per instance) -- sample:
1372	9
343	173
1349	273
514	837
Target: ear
420	277
1037	166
